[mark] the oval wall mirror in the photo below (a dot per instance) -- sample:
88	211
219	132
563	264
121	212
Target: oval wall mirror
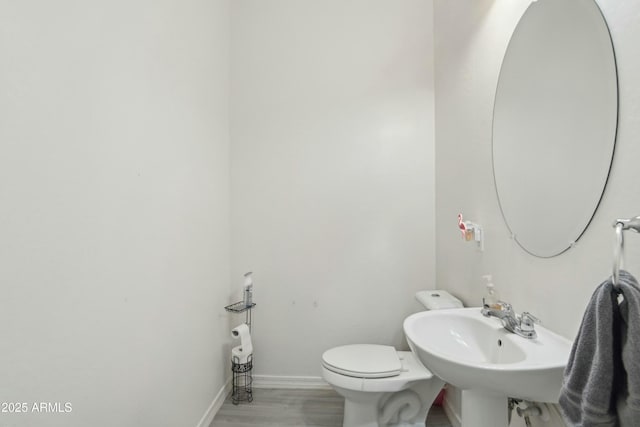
554	123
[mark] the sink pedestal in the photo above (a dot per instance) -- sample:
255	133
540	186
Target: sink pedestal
484	409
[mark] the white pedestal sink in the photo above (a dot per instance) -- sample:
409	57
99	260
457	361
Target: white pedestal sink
490	364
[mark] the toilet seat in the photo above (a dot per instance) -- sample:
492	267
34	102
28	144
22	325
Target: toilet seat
412	370
363	361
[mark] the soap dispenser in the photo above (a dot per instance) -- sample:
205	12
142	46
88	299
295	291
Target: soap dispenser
490	299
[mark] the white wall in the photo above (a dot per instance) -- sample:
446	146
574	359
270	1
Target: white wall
114	261
471	37
332	172
114	152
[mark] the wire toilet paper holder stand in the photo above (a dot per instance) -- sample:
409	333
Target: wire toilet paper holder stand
242	373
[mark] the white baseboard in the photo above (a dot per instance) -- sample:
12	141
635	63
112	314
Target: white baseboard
213	409
454	418
275	381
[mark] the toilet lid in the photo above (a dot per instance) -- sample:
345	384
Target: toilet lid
363	360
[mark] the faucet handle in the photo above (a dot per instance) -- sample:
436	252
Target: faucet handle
527	321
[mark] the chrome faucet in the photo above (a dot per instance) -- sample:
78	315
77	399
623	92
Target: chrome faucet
523	325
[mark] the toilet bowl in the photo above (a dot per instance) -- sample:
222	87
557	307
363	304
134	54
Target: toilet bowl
381	385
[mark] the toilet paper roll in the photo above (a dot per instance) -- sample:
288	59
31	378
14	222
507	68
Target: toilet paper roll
245	348
238	355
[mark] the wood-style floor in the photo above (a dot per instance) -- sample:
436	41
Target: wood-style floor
295	408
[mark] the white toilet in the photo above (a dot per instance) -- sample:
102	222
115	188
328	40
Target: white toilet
382	386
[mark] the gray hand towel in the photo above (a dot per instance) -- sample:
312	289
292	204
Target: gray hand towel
589	378
601	384
628	391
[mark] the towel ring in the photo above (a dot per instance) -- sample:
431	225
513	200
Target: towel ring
621	225
617	253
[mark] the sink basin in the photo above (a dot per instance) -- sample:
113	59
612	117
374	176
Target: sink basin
476	354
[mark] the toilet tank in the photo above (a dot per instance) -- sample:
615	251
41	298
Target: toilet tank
438	300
